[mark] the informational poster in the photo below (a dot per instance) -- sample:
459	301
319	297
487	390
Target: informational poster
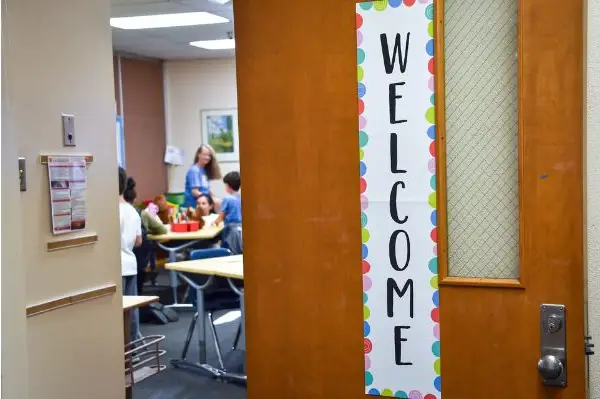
67	177
398	199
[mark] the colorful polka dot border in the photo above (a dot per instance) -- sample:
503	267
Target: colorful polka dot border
363	139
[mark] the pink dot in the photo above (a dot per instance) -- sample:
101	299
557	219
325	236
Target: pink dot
364	202
359	37
362	122
431	83
367	362
435	250
415	395
367	284
436	331
432	165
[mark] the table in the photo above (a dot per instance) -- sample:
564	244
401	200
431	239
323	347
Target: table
207	233
230	267
131	302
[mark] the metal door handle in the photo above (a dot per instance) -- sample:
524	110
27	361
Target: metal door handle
550	367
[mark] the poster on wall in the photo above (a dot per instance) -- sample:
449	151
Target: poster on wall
398	199
67	179
220	131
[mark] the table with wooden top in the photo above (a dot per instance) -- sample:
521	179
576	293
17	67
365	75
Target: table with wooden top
231	268
131	302
191	238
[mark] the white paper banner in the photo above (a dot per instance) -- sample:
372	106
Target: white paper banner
397	152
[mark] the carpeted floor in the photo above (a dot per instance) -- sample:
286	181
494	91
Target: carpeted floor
182	384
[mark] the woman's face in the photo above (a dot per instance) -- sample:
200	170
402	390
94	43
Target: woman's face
204	206
204	156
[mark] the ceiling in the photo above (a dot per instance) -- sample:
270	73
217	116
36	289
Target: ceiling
170	43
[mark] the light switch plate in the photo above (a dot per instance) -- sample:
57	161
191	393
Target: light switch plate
68	124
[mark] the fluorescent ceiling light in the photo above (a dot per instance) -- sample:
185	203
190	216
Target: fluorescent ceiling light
167	20
221	44
222	2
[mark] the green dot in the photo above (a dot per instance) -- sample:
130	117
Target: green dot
380	5
434	282
363	138
436	366
368	378
430	29
361	154
401	394
360	73
432	200
387	392
365	235
430	115
435	348
360	55
366	313
363	219
366	5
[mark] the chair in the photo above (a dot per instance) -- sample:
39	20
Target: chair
217	296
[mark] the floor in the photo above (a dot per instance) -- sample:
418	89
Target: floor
182	384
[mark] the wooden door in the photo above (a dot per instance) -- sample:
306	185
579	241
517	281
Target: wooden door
298	117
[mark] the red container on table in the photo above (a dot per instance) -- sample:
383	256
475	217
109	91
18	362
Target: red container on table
179	227
193	226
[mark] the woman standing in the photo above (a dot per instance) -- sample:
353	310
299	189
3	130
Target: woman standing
197	180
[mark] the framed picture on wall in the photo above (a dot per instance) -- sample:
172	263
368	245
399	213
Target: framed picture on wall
220	130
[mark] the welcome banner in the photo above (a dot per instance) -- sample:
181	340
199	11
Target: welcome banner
398	200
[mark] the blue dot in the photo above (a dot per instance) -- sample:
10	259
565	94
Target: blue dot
431	132
434	217
436	300
429	48
432	99
363	169
365	251
395	3
433	265
432	182
367	328
366	297
437	383
374	391
362	90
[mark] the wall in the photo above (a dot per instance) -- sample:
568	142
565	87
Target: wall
57	58
191	86
144	122
593	188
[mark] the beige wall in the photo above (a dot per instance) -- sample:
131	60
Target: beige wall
593	188
191	86
57	57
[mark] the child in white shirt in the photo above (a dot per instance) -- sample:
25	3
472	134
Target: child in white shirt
131	236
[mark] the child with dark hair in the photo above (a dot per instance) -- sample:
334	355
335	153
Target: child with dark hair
130	194
231	213
131	236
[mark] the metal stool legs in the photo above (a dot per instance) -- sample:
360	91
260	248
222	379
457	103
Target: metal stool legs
189	336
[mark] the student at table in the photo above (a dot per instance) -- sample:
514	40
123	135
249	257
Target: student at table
197	180
131	237
231	214
205	211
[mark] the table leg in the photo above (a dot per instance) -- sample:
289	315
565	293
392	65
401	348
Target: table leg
201	326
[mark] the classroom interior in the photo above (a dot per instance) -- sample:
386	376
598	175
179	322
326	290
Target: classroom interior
170	92
158	84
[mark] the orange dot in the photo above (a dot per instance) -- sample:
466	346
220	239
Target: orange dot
409	3
363	185
432	148
431	66
365	266
359	21
361	106
435	315
434	234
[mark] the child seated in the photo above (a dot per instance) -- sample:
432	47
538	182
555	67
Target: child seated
231	213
